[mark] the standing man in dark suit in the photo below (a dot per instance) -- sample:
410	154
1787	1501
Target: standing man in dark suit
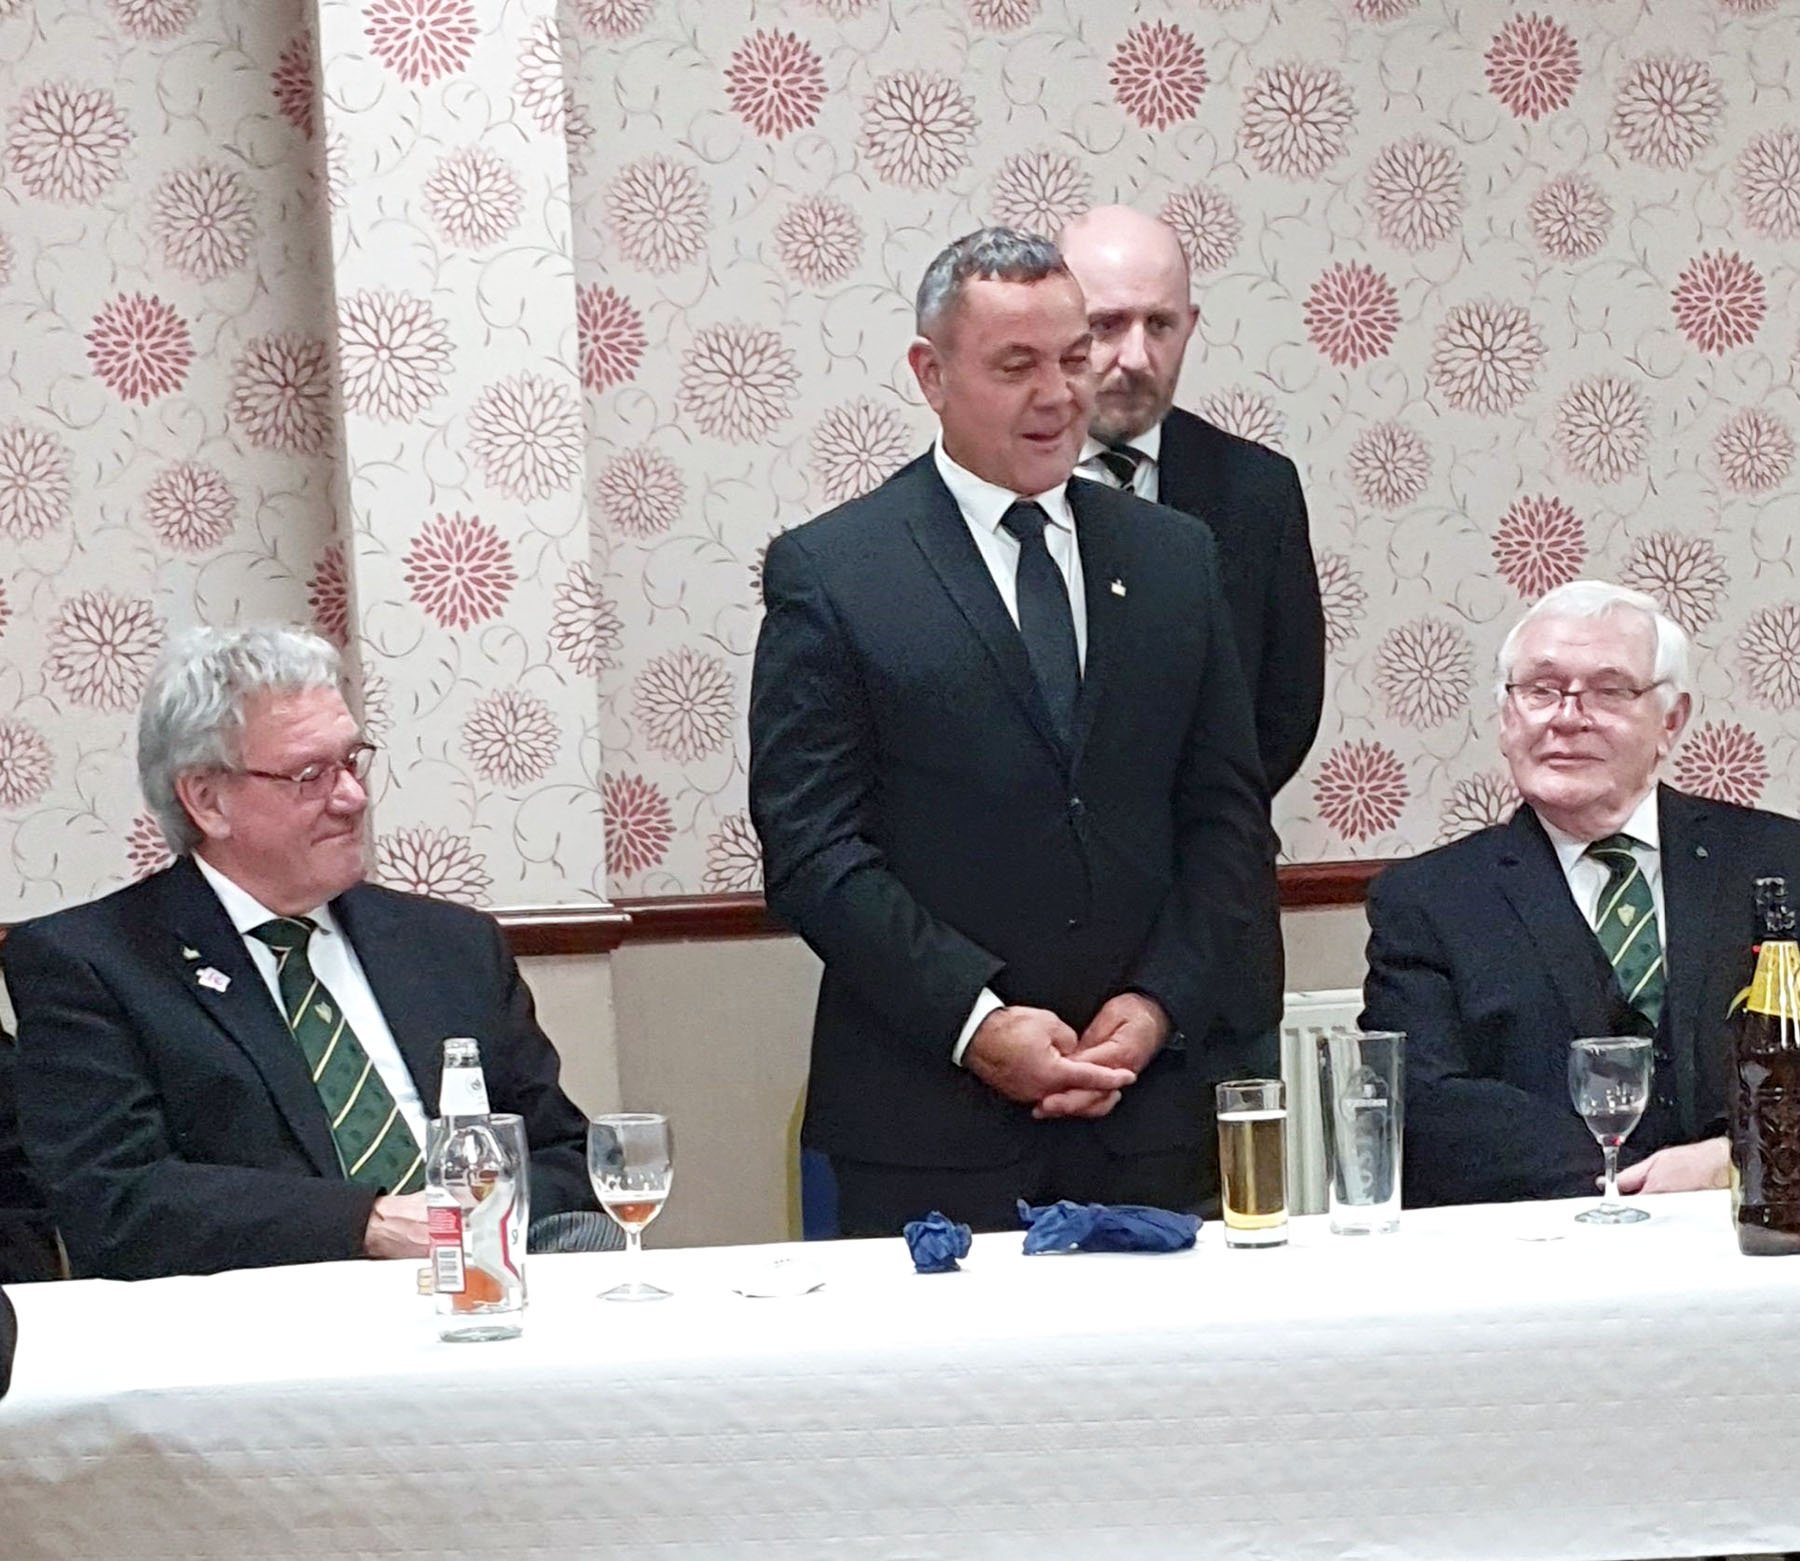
1134	275
1004	772
1608	905
231	1063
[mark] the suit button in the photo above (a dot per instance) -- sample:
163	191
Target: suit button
1072	925
1076	807
1667	1102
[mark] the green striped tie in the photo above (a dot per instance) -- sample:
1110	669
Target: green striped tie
374	1144
1626	926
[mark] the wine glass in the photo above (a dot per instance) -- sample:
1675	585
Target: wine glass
631	1161
1609	1083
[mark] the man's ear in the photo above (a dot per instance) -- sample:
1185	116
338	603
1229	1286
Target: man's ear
202	795
1193	319
928	370
1674	724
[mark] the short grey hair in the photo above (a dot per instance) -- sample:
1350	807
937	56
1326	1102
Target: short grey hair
986	255
192	716
1587	600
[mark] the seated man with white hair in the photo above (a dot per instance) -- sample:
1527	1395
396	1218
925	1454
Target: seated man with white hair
1608	904
232	1063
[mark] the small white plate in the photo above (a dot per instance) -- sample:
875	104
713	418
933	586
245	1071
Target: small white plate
785	1276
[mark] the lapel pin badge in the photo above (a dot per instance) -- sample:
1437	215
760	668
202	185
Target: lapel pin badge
188	953
212	980
1118	588
1700	851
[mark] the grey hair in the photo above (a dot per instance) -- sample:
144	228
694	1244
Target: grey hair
1588	600
986	255
192	717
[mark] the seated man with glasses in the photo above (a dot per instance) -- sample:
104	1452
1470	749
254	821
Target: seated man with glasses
232	1062
1607	905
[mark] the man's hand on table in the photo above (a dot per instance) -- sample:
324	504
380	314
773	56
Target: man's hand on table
1127	1032
1026	1054
397	1227
1680	1168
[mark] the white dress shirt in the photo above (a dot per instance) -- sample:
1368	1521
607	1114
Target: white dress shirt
1587	875
1144	480
335	963
982	505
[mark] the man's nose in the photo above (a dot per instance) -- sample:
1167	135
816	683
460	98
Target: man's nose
1056	386
1134	349
348	794
1570	714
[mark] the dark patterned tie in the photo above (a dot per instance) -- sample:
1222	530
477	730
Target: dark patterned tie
1626	926
1045	622
374	1144
1122	461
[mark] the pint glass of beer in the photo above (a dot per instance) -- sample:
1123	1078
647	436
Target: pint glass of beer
1252	1161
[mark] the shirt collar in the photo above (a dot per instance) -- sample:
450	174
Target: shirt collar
983	503
1149	442
244	909
1644	826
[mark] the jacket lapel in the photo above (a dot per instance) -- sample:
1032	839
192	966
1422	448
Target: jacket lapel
943	537
1532	880
402	982
1695	911
207	958
1102	568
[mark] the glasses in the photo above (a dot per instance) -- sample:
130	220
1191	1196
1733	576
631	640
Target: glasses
318	781
1602	699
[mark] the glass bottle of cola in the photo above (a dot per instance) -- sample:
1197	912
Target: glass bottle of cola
476	1190
1765	1090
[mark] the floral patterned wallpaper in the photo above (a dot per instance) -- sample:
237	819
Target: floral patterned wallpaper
500	340
1515	285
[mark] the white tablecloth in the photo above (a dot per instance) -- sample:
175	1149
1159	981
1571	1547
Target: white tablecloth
1458	1390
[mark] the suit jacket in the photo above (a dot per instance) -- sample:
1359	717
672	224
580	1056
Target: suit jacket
1480	954
177	1127
1250	497
27	1238
927	832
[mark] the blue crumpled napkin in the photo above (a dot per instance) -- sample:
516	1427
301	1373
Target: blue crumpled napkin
937	1241
1105	1227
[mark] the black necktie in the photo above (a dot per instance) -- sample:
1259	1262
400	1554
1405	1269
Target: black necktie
1122	461
1045	622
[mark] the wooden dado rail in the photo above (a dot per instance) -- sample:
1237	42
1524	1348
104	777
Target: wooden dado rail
684	918
678	918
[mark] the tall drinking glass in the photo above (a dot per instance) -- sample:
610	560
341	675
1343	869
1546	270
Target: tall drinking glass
1609	1083
1253	1161
631	1162
1362	1094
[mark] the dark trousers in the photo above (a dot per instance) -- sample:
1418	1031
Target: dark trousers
1068	1162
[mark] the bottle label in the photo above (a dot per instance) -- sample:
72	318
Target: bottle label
463	1093
1775	988
444	1224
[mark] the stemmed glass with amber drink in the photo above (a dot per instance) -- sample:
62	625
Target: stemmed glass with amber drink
631	1163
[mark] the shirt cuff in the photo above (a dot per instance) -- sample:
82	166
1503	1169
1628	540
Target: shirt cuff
985	1004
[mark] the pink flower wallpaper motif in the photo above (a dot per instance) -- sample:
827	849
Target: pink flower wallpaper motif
499	341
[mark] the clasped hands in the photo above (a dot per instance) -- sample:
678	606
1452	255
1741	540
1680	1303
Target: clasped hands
1031	1056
